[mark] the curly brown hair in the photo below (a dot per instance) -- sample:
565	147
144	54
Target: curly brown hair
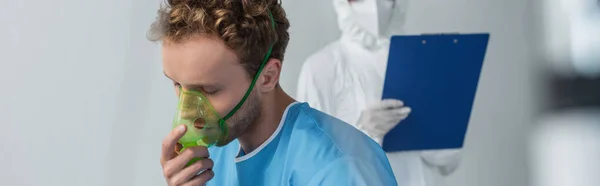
244	25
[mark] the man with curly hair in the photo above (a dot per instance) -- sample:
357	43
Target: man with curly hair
231	51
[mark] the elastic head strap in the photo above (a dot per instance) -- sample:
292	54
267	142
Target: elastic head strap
255	76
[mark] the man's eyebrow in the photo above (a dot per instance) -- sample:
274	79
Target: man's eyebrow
194	86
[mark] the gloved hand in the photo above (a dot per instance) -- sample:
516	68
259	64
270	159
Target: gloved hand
445	161
377	120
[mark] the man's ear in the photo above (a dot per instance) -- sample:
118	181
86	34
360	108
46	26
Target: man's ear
270	75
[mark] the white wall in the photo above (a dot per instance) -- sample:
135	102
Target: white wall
63	65
313	25
78	80
84	102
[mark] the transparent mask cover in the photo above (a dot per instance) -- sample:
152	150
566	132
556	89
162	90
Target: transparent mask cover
200	118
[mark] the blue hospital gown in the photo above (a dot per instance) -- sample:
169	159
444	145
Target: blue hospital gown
308	148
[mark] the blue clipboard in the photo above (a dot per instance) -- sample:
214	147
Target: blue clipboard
437	76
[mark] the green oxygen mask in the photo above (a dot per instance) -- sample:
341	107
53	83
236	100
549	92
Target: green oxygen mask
200	118
204	125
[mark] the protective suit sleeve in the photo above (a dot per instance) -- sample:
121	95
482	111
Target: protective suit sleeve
305	81
315	76
350	171
446	161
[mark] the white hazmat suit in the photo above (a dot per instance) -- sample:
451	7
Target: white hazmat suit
345	79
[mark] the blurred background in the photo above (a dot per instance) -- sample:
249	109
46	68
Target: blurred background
83	99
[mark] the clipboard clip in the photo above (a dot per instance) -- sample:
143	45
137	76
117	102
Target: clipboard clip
440	34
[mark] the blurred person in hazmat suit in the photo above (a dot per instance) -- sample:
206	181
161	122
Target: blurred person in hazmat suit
345	79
